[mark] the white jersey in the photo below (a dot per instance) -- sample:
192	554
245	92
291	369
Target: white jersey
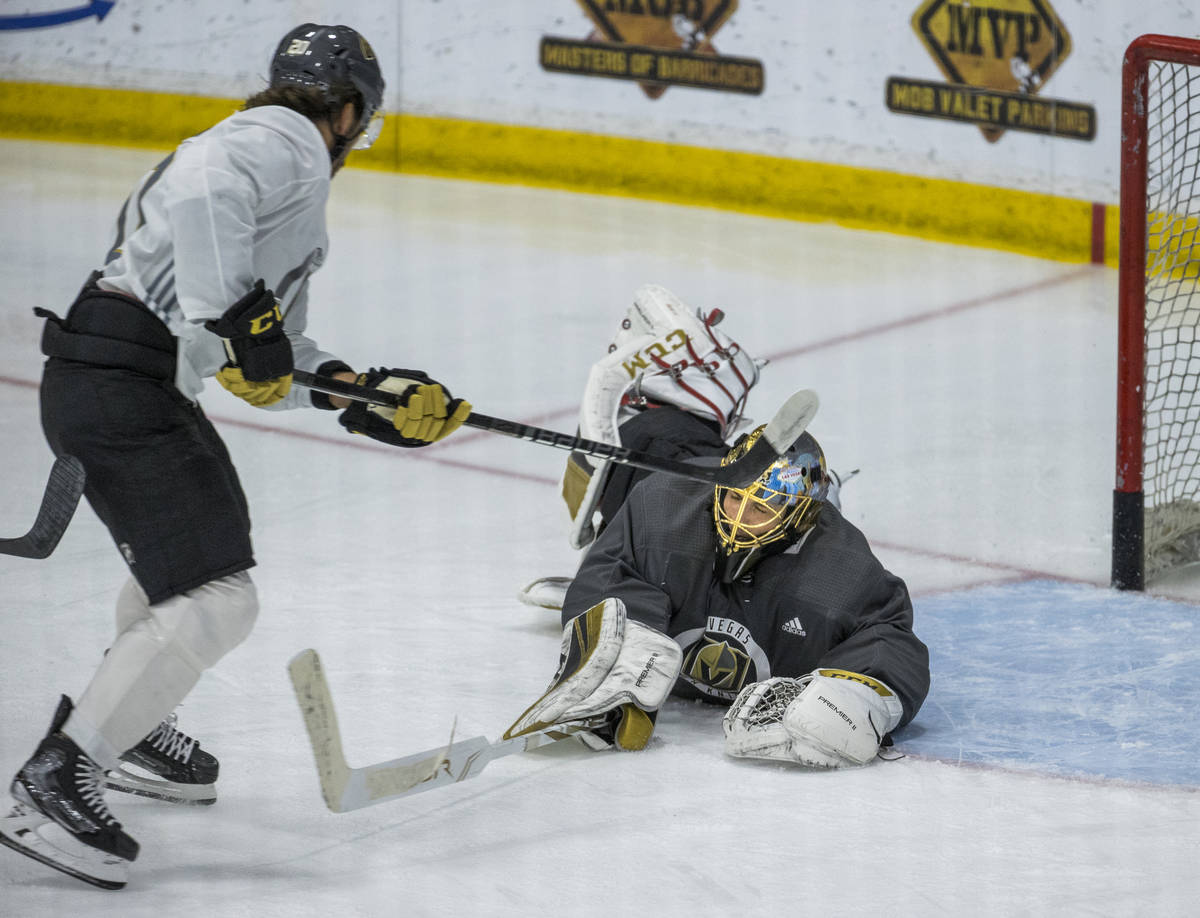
244	200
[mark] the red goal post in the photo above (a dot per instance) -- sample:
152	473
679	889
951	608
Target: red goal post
1156	500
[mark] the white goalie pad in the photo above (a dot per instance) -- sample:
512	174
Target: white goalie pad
605	661
667	353
545	592
687	363
827	719
582	484
591	642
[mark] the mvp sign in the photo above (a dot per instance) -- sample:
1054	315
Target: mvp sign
996	55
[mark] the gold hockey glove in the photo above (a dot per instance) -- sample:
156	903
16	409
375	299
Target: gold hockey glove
258	394
260	355
429	412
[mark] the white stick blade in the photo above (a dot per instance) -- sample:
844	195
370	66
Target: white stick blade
419	772
320	720
792	419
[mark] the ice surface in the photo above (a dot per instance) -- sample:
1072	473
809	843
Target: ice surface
1052	771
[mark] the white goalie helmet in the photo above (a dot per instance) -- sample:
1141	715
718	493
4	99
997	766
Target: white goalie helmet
669	353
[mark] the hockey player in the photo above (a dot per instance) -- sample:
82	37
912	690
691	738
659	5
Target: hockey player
671	385
763	598
208	276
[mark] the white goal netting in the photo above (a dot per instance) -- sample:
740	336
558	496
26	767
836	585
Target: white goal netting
1171	448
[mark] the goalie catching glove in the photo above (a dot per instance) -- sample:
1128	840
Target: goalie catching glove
428	413
827	719
607	665
260	355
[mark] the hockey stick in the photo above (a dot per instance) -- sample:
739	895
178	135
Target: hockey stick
59	501
345	788
789	422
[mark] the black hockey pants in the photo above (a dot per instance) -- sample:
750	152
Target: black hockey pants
158	474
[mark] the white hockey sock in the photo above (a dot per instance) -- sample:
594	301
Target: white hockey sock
137	685
156	661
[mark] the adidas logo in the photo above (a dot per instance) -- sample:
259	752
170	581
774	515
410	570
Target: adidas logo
794	627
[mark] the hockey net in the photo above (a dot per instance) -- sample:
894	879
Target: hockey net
1156	508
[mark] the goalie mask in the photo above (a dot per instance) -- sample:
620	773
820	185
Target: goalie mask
334	58
771	513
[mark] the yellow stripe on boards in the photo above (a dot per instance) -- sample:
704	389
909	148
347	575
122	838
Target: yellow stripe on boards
1043	225
118	117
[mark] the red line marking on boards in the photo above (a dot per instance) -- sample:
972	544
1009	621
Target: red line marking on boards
1099	212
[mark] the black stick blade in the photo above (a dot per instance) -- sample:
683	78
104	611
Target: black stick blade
63	491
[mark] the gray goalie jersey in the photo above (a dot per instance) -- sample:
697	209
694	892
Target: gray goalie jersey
243	200
827	602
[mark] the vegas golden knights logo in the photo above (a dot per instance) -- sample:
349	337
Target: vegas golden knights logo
656	43
717	664
997	55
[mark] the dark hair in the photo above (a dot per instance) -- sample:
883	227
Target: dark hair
314	102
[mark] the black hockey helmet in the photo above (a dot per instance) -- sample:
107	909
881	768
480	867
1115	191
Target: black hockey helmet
333	57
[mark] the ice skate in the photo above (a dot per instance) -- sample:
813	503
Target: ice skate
58	815
167	765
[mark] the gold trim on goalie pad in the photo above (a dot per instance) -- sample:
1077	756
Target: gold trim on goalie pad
877	687
575	485
586	630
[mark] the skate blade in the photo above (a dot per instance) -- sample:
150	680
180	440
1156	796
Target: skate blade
126	781
28	832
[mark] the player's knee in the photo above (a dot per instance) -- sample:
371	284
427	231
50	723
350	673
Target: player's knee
132	605
238	600
206	623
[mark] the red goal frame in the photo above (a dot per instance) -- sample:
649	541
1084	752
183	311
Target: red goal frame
1128	542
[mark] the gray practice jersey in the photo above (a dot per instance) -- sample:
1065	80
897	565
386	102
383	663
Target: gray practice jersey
242	201
826	602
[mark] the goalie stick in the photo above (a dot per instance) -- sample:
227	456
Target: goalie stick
59	501
790	421
345	788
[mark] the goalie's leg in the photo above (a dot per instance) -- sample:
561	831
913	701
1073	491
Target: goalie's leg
59	816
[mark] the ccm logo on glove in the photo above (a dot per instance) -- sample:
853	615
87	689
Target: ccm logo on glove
260	355
254	339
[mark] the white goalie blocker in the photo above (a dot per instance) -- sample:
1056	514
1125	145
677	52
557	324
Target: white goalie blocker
607	664
665	353
826	719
